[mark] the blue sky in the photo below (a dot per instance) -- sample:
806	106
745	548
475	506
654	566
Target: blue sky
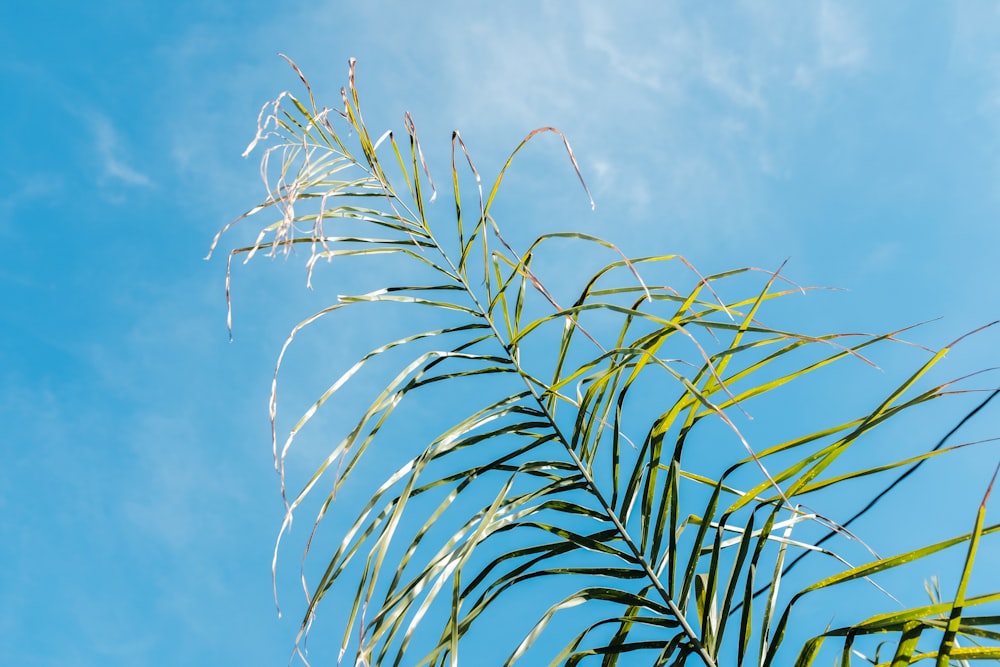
138	498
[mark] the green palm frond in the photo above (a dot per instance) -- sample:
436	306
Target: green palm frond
593	453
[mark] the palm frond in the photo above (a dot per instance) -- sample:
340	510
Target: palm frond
592	452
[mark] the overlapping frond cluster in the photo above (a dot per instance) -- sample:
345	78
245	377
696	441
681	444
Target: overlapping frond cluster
537	484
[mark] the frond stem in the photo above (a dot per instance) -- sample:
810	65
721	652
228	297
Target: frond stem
595	490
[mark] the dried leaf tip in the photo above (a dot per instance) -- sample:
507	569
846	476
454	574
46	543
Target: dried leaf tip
989	489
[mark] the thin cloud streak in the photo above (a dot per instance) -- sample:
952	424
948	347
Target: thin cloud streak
107	144
841	39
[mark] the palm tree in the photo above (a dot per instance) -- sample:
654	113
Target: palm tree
572	469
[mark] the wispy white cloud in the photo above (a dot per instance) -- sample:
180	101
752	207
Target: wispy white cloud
601	34
109	152
27	189
841	45
975	44
725	73
842	42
